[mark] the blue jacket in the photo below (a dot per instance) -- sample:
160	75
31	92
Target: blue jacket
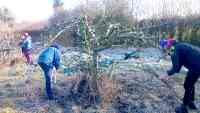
51	57
163	43
26	43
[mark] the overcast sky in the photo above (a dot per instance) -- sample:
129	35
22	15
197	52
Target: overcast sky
34	10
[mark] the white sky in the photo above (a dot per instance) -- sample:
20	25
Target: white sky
33	10
28	10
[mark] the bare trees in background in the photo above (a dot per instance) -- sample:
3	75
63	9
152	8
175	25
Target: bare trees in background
5	15
181	18
162	16
7	35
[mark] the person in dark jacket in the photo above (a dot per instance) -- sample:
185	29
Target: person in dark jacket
48	59
188	56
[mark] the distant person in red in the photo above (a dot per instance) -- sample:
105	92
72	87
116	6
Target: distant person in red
167	44
26	46
170	41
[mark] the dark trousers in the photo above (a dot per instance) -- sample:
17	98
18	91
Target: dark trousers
189	86
47	73
27	54
28	58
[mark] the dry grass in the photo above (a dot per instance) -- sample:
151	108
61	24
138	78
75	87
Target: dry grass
8	106
17	60
108	89
15	90
10	110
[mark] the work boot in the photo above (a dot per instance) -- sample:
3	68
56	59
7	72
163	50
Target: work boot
181	109
192	106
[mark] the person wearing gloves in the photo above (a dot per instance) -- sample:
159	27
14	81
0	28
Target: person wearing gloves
188	56
48	60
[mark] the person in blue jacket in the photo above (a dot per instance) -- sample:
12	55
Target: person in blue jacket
26	46
48	59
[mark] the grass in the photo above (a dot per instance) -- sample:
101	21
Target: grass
18	95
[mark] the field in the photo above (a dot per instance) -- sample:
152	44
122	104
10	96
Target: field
137	91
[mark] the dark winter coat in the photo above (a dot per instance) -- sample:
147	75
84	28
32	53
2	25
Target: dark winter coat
185	55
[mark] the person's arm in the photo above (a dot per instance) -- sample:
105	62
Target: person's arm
176	64
57	59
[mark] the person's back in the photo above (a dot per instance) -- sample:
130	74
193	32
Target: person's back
47	55
188	56
27	43
50	56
